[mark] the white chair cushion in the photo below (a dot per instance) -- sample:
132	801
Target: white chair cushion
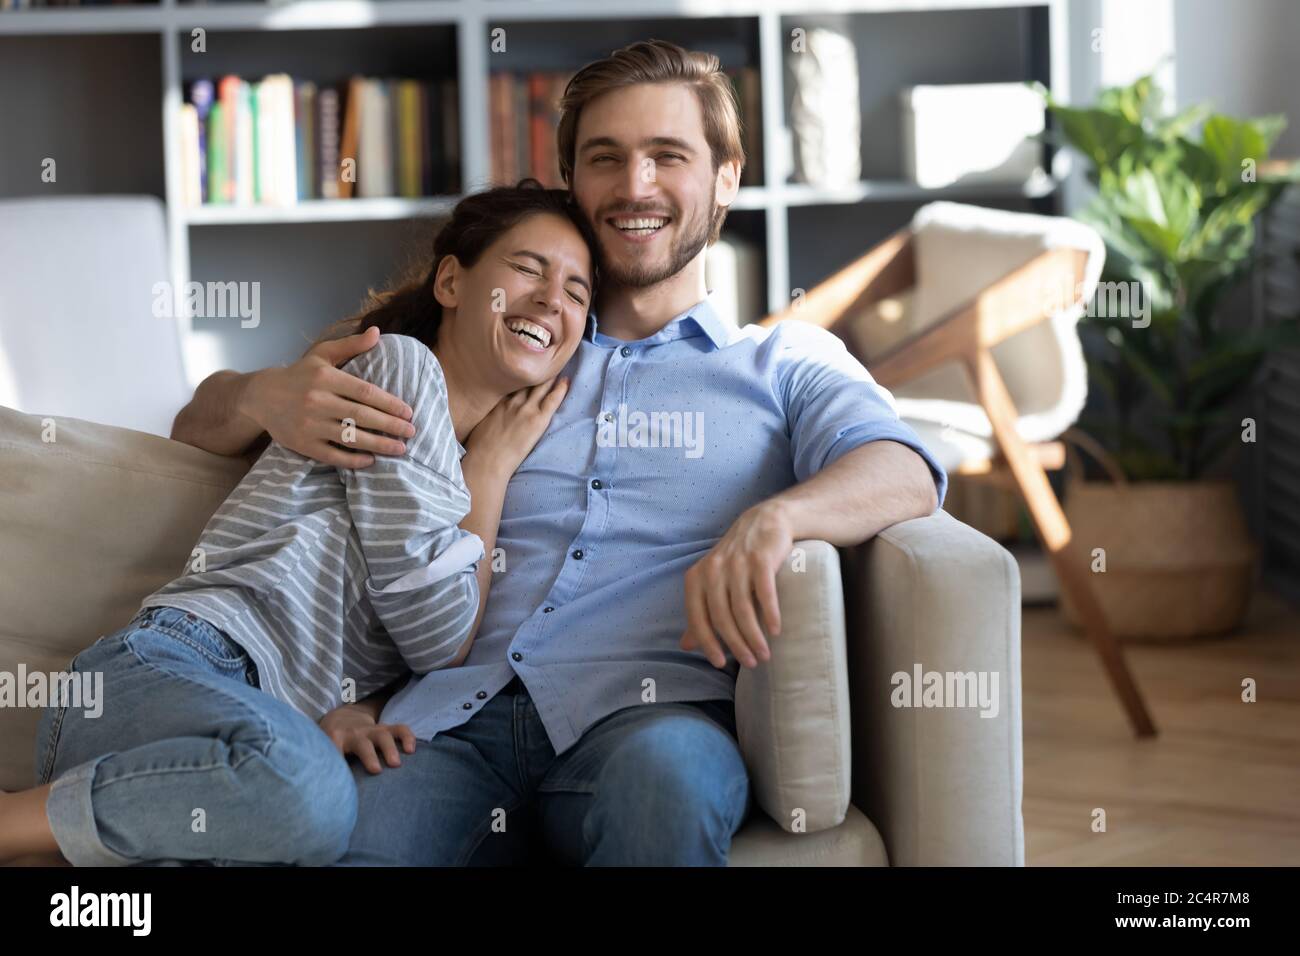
961	250
950	445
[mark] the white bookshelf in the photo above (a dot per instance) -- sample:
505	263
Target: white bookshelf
318	210
790	220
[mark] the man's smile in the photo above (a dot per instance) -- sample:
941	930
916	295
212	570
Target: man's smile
639	227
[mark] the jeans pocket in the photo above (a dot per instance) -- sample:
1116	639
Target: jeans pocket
159	633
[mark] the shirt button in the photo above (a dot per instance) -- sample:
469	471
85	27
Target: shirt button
595	483
609	416
480	695
577	555
547	610
517	656
467	705
625	351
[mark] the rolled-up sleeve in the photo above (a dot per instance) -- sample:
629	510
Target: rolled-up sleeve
833	405
406	510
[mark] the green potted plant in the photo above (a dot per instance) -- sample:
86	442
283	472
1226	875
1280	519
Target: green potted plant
1176	207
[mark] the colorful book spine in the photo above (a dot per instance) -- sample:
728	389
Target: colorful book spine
304	139
201	95
219	192
327	112
228	94
277	141
245	176
408	138
259	101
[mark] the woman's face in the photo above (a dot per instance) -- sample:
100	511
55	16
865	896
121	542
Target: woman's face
517	315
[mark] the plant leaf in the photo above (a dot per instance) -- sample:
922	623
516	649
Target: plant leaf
1232	141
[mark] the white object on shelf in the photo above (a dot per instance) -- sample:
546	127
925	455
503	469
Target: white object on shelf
971	133
733	276
824	111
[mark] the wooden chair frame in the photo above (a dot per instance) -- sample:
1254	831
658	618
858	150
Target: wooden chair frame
966	336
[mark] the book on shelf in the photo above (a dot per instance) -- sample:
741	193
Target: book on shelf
749	98
524	113
327	143
279	140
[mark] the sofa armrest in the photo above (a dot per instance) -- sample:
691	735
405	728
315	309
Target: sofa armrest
942	784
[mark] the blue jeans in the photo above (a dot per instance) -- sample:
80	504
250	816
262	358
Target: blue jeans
651	785
189	761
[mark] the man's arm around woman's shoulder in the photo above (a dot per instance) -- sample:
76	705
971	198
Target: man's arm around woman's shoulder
301	406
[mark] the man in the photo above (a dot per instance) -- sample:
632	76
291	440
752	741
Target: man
594	712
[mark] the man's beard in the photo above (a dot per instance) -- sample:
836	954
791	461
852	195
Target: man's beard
639	274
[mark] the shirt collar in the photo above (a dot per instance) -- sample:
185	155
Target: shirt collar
699	318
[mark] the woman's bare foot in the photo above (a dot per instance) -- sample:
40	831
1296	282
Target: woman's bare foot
25	837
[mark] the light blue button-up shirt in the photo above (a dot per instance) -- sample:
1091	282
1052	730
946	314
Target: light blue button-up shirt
658	447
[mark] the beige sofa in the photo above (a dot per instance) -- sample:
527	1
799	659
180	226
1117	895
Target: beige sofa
92	518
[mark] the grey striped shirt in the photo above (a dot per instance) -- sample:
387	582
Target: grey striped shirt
339	580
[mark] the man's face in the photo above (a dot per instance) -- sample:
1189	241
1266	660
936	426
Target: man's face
644	176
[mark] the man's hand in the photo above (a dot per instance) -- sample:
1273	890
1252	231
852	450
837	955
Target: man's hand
729	587
861	493
353	730
302	406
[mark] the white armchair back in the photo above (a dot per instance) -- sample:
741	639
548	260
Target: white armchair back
79	279
959	251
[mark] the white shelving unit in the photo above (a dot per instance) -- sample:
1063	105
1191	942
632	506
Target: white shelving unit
779	214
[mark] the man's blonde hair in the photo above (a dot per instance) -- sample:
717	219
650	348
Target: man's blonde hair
657	61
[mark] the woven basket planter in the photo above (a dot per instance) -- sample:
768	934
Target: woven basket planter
1178	557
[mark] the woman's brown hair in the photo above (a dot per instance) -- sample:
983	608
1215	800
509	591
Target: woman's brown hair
476	222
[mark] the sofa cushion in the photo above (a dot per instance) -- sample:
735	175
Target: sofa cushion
792	713
855	842
93	518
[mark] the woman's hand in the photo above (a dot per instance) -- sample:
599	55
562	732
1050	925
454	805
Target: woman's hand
354	731
508	433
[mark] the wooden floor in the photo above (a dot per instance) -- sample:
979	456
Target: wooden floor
1219	786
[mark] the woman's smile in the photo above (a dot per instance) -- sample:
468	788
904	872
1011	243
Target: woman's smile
534	334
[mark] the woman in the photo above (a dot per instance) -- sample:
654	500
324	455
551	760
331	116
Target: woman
314	586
